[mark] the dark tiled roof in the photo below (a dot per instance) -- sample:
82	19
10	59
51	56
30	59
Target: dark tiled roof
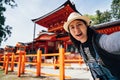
107	24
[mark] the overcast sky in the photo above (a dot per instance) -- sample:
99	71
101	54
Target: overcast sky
20	17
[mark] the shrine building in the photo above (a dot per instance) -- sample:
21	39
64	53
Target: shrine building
49	41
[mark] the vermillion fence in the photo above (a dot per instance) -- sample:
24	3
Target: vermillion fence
1	61
20	59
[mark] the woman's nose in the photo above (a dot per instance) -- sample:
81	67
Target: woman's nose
77	30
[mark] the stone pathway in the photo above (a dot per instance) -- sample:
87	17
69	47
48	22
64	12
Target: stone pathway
76	72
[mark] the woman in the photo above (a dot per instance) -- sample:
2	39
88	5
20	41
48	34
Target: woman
100	52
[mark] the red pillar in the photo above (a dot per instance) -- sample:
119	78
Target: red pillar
38	64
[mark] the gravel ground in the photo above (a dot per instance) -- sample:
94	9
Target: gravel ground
75	72
26	76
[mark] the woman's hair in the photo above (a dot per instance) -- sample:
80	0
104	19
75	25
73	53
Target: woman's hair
75	42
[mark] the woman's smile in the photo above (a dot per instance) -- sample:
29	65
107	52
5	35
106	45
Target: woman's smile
79	35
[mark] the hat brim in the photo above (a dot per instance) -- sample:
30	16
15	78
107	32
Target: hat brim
84	18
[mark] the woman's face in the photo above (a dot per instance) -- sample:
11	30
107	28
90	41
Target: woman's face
78	30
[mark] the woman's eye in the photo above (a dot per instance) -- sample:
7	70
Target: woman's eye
72	27
79	24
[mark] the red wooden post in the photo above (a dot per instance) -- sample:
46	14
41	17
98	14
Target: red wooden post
38	64
8	54
4	63
55	61
21	51
12	62
23	63
19	64
7	63
61	58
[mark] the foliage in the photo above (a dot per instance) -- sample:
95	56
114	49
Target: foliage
115	8
106	16
92	17
5	30
102	17
110	15
8	2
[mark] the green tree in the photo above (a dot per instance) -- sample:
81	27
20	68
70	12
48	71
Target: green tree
5	30
102	17
92	17
115	9
98	19
106	16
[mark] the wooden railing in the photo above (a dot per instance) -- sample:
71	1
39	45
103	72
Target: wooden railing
21	60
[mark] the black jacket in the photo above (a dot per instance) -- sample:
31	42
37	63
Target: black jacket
110	61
